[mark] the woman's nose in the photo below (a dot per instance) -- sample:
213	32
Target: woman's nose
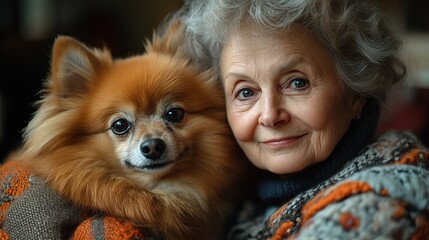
272	112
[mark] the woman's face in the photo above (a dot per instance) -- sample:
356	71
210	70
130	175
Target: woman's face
284	102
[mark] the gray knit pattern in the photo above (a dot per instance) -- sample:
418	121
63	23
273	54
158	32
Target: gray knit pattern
40	214
376	213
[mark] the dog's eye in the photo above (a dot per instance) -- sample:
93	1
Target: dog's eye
120	126
174	115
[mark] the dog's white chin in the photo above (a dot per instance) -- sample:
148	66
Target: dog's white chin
154	167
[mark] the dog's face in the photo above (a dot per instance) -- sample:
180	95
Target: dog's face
152	114
146	121
153	108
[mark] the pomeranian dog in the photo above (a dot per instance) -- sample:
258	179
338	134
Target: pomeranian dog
143	138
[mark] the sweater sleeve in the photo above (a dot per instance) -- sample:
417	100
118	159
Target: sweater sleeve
29	209
390	202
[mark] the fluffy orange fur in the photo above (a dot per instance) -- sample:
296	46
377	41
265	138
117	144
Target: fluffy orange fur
75	140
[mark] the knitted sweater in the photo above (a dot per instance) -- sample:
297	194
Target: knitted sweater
382	193
29	209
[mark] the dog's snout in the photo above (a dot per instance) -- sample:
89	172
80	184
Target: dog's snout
152	148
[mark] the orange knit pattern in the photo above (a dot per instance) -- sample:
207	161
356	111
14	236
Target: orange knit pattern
413	157
83	232
14	180
422	232
384	192
116	229
276	214
3	235
349	221
282	231
400	211
113	229
339	193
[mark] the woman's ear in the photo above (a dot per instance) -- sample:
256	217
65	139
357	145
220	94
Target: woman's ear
357	105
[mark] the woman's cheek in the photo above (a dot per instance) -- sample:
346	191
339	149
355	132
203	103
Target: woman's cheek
240	126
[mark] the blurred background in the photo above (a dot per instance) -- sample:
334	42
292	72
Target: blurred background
29	27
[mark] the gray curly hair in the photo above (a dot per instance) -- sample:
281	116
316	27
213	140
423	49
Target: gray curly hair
360	44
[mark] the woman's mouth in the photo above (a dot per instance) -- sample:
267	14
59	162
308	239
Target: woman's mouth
282	142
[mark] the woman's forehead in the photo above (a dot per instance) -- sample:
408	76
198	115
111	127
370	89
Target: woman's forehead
292	45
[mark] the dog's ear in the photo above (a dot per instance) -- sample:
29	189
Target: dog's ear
74	66
170	41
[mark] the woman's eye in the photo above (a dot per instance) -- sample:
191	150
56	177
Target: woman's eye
298	83
174	115
245	93
120	126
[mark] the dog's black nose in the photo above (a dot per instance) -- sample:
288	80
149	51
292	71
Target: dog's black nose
152	148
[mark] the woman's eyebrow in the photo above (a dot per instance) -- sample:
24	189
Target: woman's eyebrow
234	78
235	74
290	63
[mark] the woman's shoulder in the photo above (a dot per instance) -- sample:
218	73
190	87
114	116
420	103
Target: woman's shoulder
392	147
399	141
387	196
382	201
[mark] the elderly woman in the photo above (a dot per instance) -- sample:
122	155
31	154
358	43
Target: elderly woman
304	82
